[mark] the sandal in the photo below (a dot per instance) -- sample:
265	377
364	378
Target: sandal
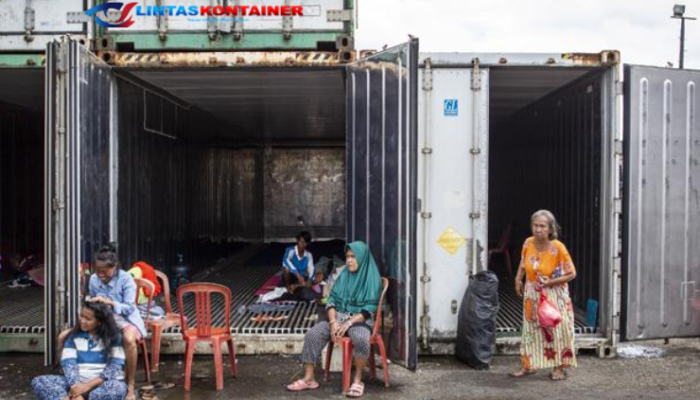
520	374
163	385
149	396
561	376
356	390
301	384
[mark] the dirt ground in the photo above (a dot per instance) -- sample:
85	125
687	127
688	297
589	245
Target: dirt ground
676	375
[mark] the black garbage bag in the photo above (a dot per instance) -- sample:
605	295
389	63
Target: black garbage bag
476	327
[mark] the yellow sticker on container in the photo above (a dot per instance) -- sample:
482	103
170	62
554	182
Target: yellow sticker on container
451	241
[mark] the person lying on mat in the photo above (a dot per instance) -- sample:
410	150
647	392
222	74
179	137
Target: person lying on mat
298	266
114	287
351	308
92	360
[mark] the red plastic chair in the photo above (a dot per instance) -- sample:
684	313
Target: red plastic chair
374	340
503	248
150	289
204	331
158	326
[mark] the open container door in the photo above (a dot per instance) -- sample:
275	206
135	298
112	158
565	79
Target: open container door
661	281
381	180
77	167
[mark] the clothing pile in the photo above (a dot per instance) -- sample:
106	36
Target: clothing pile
143	270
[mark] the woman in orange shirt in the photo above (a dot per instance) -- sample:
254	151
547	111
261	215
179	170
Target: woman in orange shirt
547	267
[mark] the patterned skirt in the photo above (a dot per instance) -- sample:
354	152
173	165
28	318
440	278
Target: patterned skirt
547	347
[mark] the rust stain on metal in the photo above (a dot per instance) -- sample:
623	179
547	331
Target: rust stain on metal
608	57
225	59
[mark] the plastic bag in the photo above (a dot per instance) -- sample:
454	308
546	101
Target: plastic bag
547	313
476	326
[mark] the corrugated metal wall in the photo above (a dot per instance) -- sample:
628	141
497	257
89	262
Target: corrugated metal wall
304	189
548	156
21	182
176	194
93	109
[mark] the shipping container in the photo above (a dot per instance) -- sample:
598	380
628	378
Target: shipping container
158	25
504	135
429	159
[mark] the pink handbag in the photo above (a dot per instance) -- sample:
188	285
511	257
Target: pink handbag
547	313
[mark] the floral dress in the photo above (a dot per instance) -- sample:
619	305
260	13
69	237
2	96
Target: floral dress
547	347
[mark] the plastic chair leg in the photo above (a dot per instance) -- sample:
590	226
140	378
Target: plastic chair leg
347	364
385	364
329	357
189	355
508	264
372	363
144	354
218	364
232	358
156	331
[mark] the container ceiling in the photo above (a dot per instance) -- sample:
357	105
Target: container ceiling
270	103
513	88
23	87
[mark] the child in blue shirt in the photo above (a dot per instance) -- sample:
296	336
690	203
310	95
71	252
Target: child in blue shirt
92	360
298	266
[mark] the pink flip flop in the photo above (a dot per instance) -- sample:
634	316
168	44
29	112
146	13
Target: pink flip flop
356	390
301	384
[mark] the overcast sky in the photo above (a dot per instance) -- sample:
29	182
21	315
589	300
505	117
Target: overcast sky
641	30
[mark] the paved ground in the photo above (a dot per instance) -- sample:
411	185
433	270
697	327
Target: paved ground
674	376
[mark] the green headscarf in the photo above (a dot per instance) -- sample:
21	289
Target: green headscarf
359	290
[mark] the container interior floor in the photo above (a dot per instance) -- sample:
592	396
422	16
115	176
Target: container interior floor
22	309
545	153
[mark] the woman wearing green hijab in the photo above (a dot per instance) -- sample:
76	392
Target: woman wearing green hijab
351	307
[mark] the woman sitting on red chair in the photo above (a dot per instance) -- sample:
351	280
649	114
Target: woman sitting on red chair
351	308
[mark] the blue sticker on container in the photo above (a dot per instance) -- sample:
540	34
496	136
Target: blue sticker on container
451	107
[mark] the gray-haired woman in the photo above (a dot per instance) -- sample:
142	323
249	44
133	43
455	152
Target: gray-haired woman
547	267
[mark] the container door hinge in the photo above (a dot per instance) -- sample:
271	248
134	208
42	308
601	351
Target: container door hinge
287	24
61	61
619	149
426	215
476	75
28	23
339	16
237	25
77	17
617	204
475	151
426	150
428	75
475	215
56	204
619	88
162	22
425	278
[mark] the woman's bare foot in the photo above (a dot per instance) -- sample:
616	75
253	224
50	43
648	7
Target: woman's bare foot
130	393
